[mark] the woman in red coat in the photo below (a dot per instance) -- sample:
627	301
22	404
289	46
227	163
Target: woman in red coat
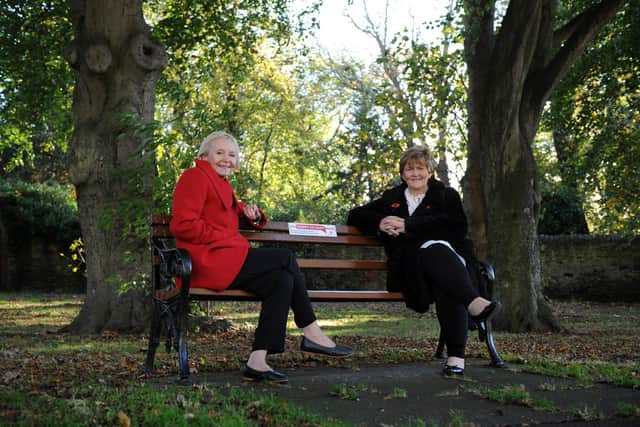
205	221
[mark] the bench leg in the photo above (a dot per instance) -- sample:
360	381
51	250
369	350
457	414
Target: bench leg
440	353
484	334
171	317
183	350
496	360
154	337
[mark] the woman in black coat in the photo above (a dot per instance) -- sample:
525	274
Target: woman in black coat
429	257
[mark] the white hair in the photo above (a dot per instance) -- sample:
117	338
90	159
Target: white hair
205	145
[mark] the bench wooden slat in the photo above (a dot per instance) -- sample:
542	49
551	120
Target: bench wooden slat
159	231
355	296
327	264
341	264
336	296
159	219
269	236
283	227
160	222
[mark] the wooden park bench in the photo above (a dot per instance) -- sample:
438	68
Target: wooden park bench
171	307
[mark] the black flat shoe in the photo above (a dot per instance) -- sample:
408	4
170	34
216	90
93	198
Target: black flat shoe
486	314
452	371
309	346
250	374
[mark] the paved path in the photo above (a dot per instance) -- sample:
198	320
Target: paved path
440	401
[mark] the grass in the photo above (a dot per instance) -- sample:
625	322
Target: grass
515	395
585	373
587	413
556	386
52	378
151	405
346	391
344	319
397	393
49	378
628	410
30	314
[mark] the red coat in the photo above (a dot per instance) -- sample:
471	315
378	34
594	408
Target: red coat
205	223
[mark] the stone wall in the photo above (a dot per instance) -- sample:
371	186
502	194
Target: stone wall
591	267
31	262
581	267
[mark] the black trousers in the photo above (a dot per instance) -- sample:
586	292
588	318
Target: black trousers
274	276
453	291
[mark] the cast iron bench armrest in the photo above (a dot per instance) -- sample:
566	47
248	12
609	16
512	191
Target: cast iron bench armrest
173	262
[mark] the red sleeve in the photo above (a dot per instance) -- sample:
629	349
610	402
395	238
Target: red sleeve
189	198
255	224
262	221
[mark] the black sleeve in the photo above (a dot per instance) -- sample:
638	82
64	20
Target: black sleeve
450	217
367	218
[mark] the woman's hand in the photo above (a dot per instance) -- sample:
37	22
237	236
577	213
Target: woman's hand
392	225
252	212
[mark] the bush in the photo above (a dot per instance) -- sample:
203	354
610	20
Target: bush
560	210
47	209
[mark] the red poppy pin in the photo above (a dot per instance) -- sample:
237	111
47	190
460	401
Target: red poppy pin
428	206
395	205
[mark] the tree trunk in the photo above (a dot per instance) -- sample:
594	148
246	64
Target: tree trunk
513	205
511	74
116	65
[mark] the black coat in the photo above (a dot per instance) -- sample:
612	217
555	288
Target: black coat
438	217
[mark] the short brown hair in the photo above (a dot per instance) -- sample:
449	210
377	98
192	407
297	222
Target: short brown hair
420	153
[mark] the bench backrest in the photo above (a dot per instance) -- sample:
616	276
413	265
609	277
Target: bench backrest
278	232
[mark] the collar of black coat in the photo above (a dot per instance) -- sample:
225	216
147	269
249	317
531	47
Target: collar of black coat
396	194
220	184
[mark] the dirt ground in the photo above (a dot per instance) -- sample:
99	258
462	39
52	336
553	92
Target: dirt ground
402	394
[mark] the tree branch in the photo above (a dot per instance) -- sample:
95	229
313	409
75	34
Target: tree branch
391	71
479	40
515	48
585	28
563	33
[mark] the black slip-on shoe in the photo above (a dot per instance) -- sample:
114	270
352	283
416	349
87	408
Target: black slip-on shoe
309	346
452	371
272	376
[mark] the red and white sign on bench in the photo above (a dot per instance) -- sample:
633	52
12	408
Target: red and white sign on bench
322	230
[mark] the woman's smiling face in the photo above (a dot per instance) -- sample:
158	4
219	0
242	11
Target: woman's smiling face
223	156
416	174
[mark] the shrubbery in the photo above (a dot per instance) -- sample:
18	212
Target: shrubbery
560	210
48	209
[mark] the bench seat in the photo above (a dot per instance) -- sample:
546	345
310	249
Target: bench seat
321	296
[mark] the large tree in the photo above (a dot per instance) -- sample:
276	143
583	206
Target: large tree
513	69
116	65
